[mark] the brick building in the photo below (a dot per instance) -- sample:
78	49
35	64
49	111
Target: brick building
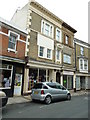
13	44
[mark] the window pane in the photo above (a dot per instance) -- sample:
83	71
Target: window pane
85	64
48	53
47	29
81	64
41	51
82	51
67	59
66	39
12	41
57	35
58	55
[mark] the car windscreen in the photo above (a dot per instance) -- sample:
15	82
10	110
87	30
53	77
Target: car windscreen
37	86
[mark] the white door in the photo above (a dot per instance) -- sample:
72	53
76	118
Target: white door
18	85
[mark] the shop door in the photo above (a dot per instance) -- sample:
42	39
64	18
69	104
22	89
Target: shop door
18	84
82	82
58	77
77	83
70	82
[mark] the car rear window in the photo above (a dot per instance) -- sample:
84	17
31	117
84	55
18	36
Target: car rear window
38	86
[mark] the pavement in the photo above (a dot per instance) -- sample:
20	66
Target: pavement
27	98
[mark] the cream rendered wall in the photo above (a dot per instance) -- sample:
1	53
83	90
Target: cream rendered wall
20	17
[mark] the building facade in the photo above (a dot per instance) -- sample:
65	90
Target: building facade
82	64
50	51
13	42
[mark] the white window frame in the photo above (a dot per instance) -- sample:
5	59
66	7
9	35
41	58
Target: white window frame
58	60
17	38
49	54
66	40
44	53
66	58
83	61
43	27
39	52
82	50
57	29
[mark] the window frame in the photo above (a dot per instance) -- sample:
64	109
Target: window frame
68	57
49	53
56	55
82	50
51	28
57	29
66	40
83	64
17	38
39	51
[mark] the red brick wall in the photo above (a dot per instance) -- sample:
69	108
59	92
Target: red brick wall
20	47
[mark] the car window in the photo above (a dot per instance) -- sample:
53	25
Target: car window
38	86
52	85
45	87
58	87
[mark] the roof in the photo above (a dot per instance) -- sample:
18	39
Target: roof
64	24
80	41
12	25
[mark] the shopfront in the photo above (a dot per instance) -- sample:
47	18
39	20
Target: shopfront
68	81
37	75
11	78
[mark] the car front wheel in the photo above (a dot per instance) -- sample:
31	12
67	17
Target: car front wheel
68	97
48	100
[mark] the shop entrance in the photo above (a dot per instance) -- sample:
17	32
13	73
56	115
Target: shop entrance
68	81
82	82
58	77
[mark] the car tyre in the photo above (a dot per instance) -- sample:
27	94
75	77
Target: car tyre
48	100
68	96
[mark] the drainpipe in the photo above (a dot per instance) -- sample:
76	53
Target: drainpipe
75	68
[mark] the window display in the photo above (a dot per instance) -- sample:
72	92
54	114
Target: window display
5	76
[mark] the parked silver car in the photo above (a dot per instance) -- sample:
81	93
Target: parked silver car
48	91
3	99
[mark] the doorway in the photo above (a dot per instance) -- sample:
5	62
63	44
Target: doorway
58	77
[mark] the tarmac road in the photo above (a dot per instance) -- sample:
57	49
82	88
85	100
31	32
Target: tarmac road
76	108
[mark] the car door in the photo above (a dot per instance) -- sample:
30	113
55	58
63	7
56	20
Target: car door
61	91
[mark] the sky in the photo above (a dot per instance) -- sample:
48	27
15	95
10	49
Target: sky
73	12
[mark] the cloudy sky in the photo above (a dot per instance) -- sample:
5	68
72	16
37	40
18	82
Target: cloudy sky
73	12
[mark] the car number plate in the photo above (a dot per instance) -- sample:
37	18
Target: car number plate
35	92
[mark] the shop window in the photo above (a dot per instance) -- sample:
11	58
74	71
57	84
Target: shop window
6	76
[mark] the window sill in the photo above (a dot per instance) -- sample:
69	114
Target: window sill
12	50
5	88
45	58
